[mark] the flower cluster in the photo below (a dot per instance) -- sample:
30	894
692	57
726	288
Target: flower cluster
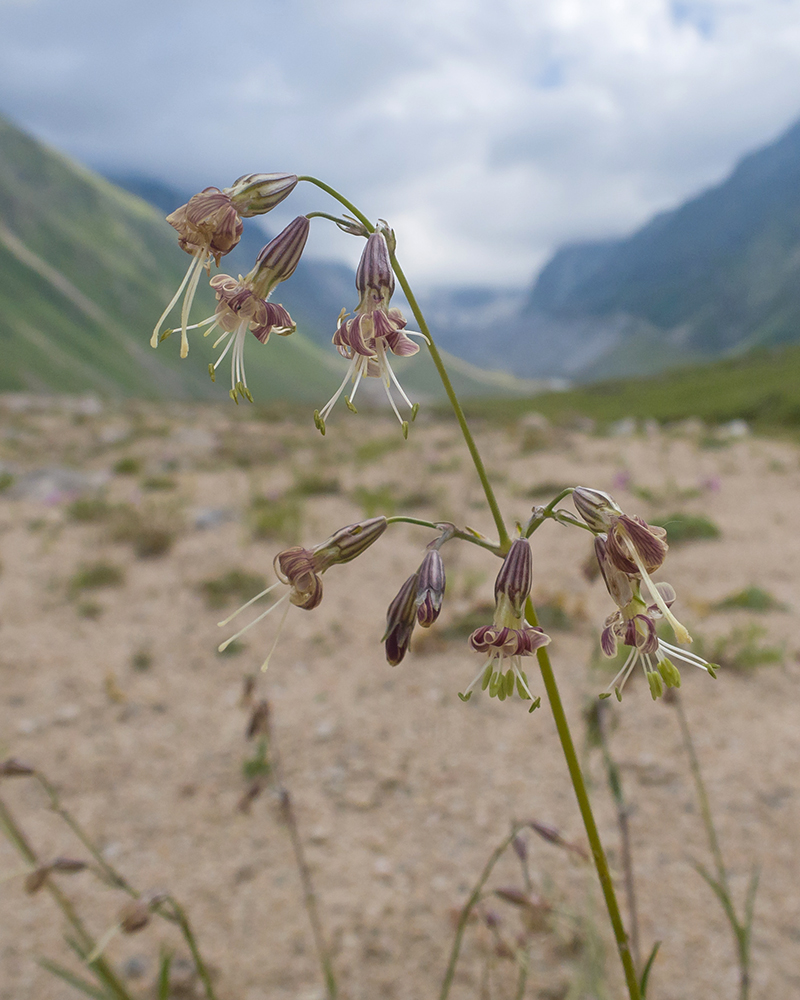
210	225
628	550
376	328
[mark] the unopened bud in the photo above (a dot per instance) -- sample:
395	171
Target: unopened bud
595	507
280	257
520	846
430	588
36	879
517	897
374	269
134	916
14	768
400	620
68	865
257	194
514	579
348	542
259	720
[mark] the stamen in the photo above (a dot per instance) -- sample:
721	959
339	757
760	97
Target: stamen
332	401
399	387
521	680
251	601
478	676
224	645
684	654
175	297
359	374
189	299
265	664
625	672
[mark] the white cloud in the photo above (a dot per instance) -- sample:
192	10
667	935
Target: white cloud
487	133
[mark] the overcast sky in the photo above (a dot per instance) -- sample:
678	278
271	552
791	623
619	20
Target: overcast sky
488	132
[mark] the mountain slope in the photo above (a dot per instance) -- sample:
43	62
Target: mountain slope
718	275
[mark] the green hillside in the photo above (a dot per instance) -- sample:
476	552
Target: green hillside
85	270
762	387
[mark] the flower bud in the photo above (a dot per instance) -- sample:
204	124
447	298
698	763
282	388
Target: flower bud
430	588
348	542
279	258
257	194
514	579
68	866
595	507
36	879
134	916
374	269
15	768
400	620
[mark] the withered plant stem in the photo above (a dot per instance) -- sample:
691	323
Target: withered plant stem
85	941
464	916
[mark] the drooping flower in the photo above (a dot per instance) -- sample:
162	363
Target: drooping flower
372	332
243	306
300	571
210	225
633	546
633	624
509	637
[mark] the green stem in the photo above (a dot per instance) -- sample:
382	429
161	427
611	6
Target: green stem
598	854
341	199
477	461
505	541
453	532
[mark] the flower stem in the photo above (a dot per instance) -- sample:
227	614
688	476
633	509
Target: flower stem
598	854
505	541
477	461
341	199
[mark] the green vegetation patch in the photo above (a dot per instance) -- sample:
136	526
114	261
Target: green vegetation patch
235	586
279	518
741	650
95	576
750	599
687	527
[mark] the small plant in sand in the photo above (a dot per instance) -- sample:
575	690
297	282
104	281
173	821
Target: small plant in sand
507	642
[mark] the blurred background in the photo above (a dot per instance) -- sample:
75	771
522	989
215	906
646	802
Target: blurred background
581	190
598	202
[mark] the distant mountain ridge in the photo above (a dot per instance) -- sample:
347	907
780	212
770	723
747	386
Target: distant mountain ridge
716	276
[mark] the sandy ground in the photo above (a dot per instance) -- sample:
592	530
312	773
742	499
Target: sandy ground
401	791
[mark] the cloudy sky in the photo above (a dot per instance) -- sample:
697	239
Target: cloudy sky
488	132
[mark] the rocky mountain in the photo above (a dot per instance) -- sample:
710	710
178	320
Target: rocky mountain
715	277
